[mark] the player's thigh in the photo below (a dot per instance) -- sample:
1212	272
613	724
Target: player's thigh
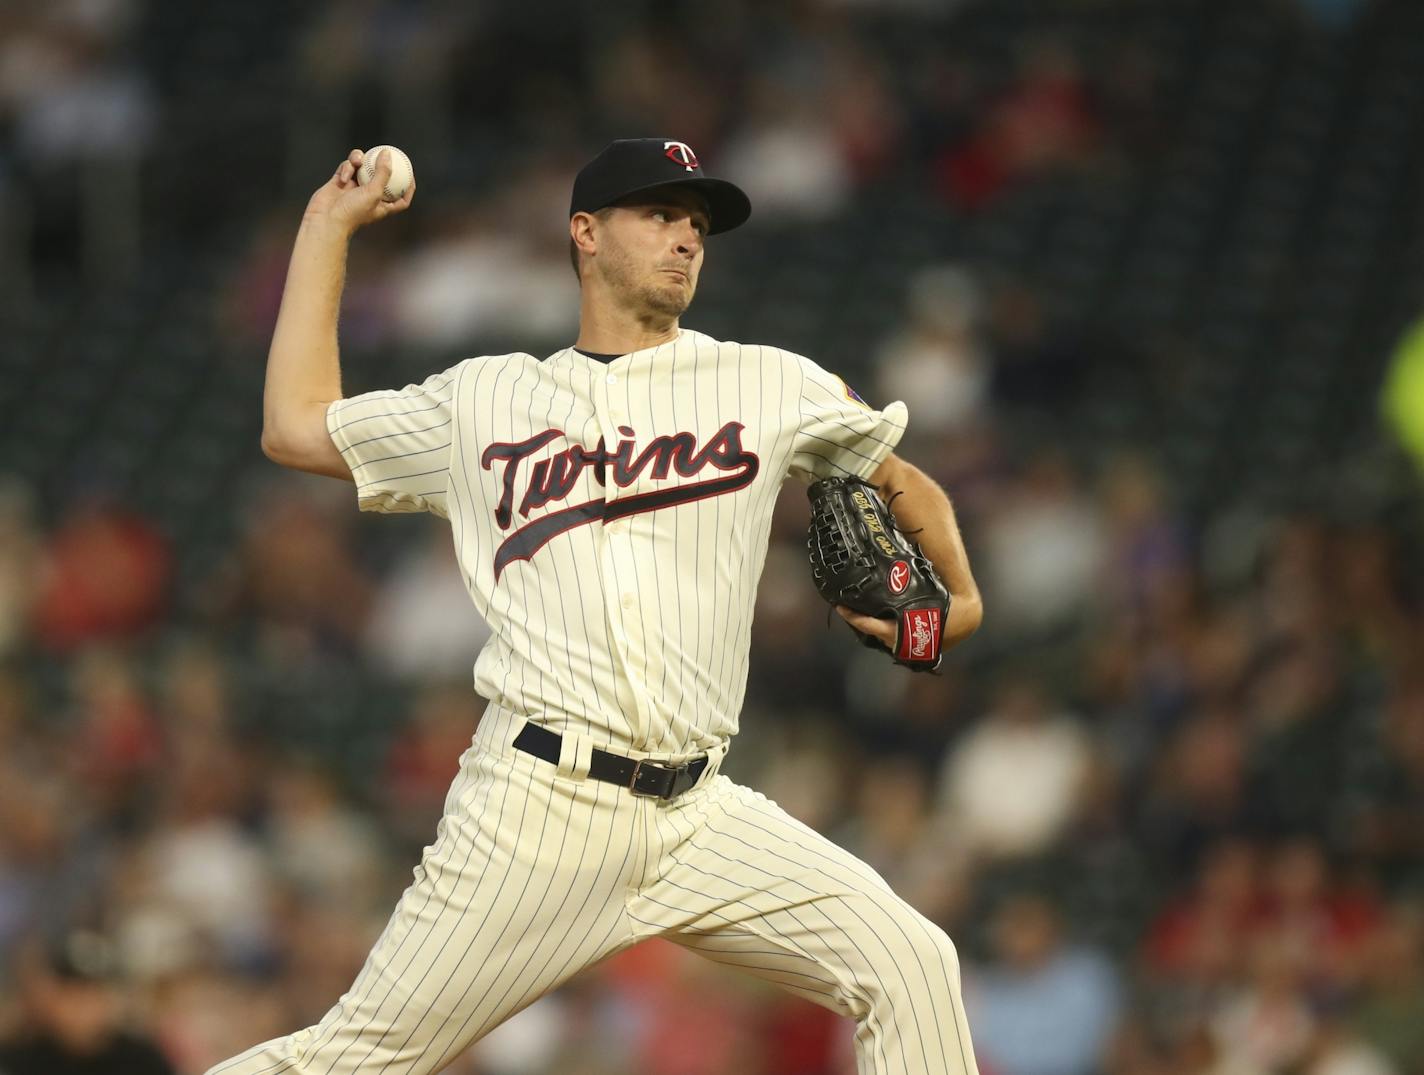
748	885
521	891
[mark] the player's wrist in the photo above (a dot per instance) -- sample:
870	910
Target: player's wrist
323	225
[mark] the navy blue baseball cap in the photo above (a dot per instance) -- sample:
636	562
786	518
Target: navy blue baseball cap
637	165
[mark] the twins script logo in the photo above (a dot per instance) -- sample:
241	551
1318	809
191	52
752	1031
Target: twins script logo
554	478
681	153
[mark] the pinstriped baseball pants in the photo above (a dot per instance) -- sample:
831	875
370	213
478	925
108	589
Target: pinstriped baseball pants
535	875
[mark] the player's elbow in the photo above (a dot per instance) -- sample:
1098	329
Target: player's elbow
966	613
298	439
275	448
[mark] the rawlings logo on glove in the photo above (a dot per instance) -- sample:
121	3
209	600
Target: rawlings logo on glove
862	560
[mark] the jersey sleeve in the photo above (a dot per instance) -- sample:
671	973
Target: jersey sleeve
398	444
839	434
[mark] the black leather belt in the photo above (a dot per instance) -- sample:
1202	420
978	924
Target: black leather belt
639	777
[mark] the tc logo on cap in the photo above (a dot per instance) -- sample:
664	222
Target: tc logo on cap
681	153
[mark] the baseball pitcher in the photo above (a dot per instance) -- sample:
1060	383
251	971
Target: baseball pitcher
610	504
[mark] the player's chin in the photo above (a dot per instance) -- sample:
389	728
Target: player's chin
670	299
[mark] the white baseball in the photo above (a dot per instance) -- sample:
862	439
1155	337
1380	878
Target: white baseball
401	171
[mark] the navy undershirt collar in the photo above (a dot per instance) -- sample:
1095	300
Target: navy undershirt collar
596	356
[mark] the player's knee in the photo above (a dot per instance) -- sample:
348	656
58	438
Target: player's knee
917	958
945	953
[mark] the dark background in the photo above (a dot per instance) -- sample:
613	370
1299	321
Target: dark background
1137	268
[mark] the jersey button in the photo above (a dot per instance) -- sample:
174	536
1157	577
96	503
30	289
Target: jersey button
612	378
627	600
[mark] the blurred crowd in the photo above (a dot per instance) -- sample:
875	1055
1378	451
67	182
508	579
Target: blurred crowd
1169	802
1171	806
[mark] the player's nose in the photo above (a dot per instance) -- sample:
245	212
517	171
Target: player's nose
689	239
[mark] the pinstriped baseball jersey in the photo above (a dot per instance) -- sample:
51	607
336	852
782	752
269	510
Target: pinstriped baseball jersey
611	519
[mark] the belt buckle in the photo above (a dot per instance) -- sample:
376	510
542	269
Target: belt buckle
633	781
672	774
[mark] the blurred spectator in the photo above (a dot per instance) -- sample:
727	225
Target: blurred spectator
74	1017
20	545
798	1038
1146	556
891	819
527	1044
661	990
119	740
1268	1025
201	872
1042	121
864	111
786	156
1336	1050
1198	938
651	78
1043	1007
296	577
104	576
422	625
1238	790
194	696
320	847
38	848
424	757
1389	828
202	1017
1388	1013
1375	605
82	117
802	769
1040	367
248	306
1294	594
937	361
787	627
1197	793
1296	709
1043	550
1317	921
502	269
73	96
1013	782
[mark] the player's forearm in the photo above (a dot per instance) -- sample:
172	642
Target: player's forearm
924	507
303	364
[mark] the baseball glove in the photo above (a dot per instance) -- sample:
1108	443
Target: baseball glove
861	559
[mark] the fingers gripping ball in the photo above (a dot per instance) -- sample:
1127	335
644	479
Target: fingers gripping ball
401	171
862	560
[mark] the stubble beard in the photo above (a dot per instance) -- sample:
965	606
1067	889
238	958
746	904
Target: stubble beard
648	300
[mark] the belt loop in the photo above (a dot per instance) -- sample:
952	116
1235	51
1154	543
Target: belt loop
584	759
714	762
575	756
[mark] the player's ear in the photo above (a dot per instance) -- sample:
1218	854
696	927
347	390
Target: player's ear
581	231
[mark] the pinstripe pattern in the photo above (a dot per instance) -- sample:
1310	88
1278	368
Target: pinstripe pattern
623	623
536	875
632	653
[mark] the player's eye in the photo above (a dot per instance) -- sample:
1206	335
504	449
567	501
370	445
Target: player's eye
660	215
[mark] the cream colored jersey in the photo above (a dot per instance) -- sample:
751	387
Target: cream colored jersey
611	519
611	522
